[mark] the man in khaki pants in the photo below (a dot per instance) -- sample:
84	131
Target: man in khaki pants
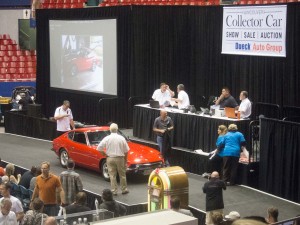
116	153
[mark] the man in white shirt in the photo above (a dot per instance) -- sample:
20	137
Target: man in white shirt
163	95
116	157
245	106
64	118
183	100
16	206
7	217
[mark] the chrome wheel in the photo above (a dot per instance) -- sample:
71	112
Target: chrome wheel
64	156
104	170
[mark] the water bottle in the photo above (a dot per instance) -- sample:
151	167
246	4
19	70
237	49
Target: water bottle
97	206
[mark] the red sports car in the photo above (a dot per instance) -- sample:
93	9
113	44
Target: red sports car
82	60
81	145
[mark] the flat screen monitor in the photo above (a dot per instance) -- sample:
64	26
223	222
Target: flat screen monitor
83	55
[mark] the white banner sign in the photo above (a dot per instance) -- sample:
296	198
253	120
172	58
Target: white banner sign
254	30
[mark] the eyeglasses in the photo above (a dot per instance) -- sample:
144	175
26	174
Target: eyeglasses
44	168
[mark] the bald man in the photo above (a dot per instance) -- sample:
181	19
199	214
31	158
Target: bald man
50	221
214	196
162	127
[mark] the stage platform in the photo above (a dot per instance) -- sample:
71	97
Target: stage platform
25	152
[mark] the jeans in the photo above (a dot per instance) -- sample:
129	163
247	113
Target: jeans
160	141
51	209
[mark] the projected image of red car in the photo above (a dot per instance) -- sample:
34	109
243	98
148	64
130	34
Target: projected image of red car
82	60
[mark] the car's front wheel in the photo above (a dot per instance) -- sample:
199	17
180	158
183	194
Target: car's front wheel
63	157
73	70
93	68
104	170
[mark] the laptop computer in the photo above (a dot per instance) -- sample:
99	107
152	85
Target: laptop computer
230	112
154	104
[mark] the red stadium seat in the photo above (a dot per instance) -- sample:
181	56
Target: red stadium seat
33	52
20	64
242	2
11	70
26	52
14	58
250	2
75	5
66	6
21	70
3	48
13	64
3	70
258	2
29	64
6	36
21	58
4	64
59	6
30	70
2	53
11	53
51	6
6	58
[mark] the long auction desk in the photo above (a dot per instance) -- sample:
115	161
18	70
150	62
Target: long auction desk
191	131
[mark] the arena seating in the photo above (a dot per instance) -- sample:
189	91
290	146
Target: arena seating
63	4
16	64
188	2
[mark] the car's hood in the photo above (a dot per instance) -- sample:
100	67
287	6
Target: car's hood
142	154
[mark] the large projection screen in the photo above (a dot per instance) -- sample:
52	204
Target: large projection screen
83	55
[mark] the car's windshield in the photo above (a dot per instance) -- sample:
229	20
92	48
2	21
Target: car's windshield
96	136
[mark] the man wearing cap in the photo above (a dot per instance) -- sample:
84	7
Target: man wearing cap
232	216
214	196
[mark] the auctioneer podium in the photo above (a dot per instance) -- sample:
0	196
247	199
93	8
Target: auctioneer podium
165	183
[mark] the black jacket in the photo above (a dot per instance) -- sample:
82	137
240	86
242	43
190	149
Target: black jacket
214	194
115	207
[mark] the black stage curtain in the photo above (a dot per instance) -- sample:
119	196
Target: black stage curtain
179	44
279	158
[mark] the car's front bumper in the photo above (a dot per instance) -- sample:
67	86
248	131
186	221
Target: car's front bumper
145	168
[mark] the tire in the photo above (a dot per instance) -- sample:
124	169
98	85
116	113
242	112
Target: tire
63	158
93	68
104	170
73	70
